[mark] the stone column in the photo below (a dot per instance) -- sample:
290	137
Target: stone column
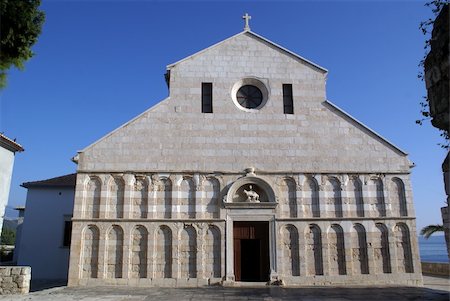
279	260
370	252
298	199
102	256
150	199
155	194
175	250
229	250
302	248
348	246
151	250
176	181
393	246
325	251
223	250
323	201
126	251
104	195
348	204
200	206
366	196
273	250
128	195
201	232
390	209
300	196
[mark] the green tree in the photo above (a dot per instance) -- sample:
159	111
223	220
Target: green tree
20	25
8	236
430	230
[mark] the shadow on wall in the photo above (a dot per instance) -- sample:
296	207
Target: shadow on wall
42	284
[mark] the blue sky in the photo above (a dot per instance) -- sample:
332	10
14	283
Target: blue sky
98	64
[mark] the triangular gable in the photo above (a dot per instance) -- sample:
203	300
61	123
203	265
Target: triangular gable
334	108
254	35
76	157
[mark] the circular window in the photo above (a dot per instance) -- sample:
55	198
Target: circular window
249	94
249	97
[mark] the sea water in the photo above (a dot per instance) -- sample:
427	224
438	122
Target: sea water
433	249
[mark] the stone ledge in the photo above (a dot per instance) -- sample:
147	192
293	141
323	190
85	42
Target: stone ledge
384	280
248	205
436	268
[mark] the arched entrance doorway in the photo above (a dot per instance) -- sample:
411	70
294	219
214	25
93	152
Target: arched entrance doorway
250	224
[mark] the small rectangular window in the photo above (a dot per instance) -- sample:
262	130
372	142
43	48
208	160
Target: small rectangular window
288	101
207	98
67	231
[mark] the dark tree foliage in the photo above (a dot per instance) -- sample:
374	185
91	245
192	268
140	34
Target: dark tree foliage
8	236
426	27
20	25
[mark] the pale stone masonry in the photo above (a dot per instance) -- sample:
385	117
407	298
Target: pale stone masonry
177	197
14	280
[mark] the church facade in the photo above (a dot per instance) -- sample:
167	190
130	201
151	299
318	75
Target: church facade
245	173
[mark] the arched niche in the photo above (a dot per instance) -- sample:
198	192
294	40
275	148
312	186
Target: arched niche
250	191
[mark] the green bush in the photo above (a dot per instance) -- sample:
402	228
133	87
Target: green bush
8	237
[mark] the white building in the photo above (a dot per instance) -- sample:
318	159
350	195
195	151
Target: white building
46	229
8	149
246	172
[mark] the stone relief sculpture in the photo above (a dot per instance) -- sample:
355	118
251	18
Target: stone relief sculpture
252	196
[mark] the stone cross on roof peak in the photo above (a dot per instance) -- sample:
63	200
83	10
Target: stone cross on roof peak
247	18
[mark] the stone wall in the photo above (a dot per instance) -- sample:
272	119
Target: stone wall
14	280
171	230
199	196
435	268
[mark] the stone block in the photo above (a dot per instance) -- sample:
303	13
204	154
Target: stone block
15	283
5	271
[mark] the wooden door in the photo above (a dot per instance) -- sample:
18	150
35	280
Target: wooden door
251	251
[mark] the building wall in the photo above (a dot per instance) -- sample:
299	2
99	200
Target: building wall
156	199
41	245
175	229
6	169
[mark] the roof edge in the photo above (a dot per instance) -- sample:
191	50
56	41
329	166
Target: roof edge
324	70
68	180
170	66
353	119
10	144
76	157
